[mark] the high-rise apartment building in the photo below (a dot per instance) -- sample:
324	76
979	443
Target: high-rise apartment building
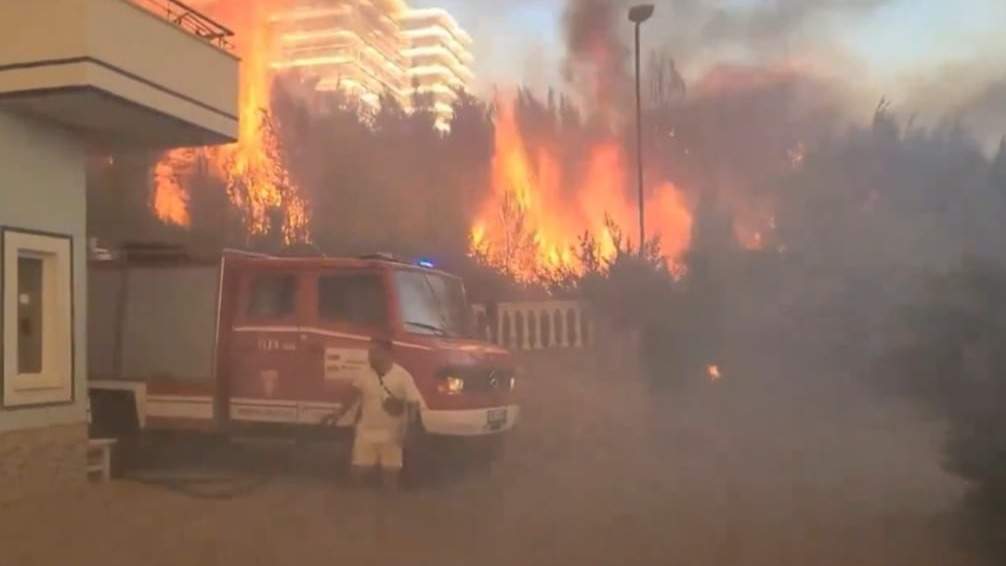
354	46
439	54
366	48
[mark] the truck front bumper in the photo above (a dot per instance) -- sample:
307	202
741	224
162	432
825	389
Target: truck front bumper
471	422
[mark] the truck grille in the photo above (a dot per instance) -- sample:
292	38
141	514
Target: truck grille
487	380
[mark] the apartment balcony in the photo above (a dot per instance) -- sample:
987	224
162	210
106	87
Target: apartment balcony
152	73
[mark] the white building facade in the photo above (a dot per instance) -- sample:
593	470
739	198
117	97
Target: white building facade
77	75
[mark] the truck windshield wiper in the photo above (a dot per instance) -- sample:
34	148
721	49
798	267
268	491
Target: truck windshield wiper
436	329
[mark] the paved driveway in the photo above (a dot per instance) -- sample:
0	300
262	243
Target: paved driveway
748	471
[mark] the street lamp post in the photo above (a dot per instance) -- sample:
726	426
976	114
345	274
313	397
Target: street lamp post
638	15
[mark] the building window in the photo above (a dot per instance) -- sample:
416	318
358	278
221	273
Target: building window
37	318
30	271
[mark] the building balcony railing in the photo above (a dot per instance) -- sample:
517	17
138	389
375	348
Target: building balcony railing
191	20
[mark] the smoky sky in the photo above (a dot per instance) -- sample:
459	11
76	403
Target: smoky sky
709	24
598	38
898	49
817	36
985	112
766	21
598	31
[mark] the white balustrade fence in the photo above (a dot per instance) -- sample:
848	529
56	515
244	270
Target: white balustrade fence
535	325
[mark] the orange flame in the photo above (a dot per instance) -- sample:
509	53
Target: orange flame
713	371
170	199
536	213
253	172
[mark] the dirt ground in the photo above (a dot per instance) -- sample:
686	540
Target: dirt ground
750	470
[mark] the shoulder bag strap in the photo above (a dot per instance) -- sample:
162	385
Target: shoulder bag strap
380	378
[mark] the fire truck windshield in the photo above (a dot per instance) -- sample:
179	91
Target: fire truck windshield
432	304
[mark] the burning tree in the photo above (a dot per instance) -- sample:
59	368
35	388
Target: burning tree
515	253
259	184
547	191
253	170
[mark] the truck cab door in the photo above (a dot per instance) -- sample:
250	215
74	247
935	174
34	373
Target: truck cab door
349	307
265	354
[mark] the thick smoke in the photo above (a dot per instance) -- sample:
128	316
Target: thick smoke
736	133
698	34
774	21
852	219
705	27
701	34
597	56
985	112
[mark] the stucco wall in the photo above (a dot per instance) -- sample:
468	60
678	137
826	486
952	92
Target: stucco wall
120	49
161	53
42	187
42	461
125	36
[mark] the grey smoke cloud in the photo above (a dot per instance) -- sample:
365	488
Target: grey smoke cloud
773	20
598	37
985	113
702	34
597	56
690	27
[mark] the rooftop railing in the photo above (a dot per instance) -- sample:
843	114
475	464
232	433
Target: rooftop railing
191	20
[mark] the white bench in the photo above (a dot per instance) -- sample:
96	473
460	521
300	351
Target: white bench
99	457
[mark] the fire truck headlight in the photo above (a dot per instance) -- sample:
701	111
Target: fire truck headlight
451	385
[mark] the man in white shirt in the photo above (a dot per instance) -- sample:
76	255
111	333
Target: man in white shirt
386	393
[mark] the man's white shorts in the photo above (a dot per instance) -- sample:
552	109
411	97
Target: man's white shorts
371	452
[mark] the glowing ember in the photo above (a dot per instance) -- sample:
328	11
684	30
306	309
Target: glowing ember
537	212
755	226
748	240
252	170
713	371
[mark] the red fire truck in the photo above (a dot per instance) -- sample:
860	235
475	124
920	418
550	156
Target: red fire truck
248	342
